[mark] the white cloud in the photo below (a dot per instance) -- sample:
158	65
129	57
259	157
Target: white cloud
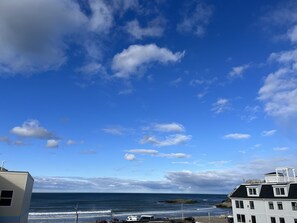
143	151
52	143
154	29
114	130
169	127
32	128
136	57
195	19
279	93
292	34
129	156
156	153
168	141
237	136
221	105
205	180
101	19
174	155
280	148
176	82
93	69
239	70
269	133
71	142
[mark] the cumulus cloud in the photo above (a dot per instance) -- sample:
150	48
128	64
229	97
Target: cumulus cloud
220	181
100	184
136	57
129	156
279	94
155	28
237	136
205	181
168	127
52	143
269	132
32	33
196	18
238	71
221	105
101	19
168	141
35	35
32	128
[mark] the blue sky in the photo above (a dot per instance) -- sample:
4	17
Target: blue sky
147	96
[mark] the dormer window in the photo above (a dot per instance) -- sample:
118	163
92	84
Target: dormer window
253	191
280	191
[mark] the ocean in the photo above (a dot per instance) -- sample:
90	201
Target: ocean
60	207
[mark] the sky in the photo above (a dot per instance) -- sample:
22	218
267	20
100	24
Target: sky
147	96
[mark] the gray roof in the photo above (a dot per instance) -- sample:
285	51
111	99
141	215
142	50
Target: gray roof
266	192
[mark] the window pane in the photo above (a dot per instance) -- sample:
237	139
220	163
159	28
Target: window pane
5	202
272	219
252	205
254	219
243	218
6	194
294	206
281	220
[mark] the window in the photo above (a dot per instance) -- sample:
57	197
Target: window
280	205
252	206
281	220
295	220
294	206
254	219
6	197
271	205
239	204
280	191
240	218
252	191
272	220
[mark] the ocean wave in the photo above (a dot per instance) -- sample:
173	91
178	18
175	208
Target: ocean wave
108	213
68	214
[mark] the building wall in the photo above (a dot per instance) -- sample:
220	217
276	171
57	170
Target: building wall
262	211
21	184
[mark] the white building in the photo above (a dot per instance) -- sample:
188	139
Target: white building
15	196
273	200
